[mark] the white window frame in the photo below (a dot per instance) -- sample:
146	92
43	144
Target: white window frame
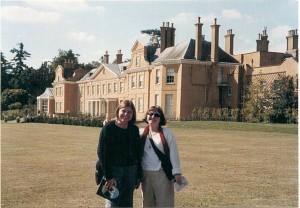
170	76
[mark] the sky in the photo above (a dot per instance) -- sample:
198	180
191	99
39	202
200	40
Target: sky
89	28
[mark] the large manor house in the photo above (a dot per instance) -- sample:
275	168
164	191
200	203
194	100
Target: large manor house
177	77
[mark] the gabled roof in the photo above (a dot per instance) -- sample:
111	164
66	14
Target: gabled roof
47	93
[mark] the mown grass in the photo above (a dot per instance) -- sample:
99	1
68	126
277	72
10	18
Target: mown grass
227	165
238	126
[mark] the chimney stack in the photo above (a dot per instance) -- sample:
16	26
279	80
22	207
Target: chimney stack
119	57
292	43
106	57
198	40
262	42
229	42
214	41
167	36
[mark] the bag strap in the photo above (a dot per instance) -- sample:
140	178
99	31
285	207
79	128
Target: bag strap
162	137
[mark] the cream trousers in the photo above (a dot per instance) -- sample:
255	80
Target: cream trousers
157	190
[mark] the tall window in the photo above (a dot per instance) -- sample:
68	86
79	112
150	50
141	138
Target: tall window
133	81
115	87
98	89
121	86
109	88
89	90
170	76
169	106
141	81
93	89
44	105
103	89
157	76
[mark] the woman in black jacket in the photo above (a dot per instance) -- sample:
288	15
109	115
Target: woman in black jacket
119	154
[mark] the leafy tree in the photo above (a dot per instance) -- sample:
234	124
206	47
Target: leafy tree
13	96
18	67
65	57
43	78
5	73
257	102
284	98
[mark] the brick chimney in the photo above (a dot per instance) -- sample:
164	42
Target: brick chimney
229	42
262	44
106	58
119	57
198	40
214	41
167	36
292	40
292	43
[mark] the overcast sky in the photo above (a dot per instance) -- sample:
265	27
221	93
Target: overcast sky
90	28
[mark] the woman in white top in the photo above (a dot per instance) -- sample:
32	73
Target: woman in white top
157	181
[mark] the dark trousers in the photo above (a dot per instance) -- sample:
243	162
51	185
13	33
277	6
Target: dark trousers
126	178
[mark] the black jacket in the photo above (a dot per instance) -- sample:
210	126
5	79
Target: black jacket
119	147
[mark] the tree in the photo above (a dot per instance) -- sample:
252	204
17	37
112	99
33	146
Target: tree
10	97
67	59
257	102
18	67
284	98
5	73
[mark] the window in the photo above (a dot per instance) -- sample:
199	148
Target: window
103	89
109	88
44	105
98	89
157	76
229	92
170	76
115	87
93	90
56	91
89	90
141	81
169	106
140	105
121	86
133	81
157	100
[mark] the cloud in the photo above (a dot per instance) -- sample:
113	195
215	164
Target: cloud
231	14
183	17
66	6
62	6
277	37
82	37
19	14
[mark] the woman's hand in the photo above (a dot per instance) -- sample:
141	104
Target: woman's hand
178	178
110	183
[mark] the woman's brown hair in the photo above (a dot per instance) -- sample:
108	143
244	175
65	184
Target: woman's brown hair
124	104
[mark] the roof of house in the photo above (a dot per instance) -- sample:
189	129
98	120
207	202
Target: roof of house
186	50
47	93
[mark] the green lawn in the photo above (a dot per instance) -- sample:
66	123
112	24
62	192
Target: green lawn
227	164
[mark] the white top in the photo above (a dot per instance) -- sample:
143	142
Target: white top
150	160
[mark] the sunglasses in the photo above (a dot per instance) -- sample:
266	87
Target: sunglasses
157	115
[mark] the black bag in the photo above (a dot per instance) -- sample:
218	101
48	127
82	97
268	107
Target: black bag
112	195
165	161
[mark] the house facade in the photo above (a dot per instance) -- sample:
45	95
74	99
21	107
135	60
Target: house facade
193	73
